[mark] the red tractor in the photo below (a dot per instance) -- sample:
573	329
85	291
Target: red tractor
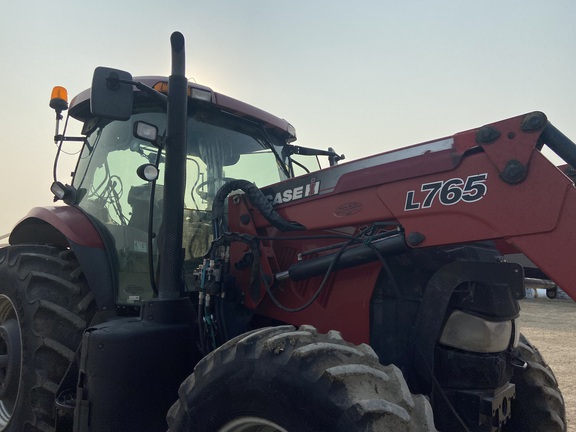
194	278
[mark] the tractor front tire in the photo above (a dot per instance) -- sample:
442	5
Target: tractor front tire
539	405
280	379
45	305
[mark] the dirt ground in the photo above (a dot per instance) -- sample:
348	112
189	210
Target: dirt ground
551	326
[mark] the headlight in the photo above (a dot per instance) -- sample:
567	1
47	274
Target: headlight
471	333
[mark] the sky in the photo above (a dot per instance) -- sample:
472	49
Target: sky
362	77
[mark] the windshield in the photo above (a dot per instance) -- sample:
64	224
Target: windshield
220	147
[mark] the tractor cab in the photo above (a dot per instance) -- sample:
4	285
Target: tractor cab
119	181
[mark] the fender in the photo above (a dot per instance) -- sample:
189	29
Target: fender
70	227
56	225
434	307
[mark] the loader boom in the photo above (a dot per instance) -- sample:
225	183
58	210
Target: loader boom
486	184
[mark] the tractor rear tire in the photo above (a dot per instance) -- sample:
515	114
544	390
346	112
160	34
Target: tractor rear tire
280	379
539	405
45	305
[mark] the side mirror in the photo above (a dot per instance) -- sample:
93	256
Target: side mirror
111	94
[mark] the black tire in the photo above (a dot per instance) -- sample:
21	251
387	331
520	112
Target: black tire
539	405
552	293
45	305
280	379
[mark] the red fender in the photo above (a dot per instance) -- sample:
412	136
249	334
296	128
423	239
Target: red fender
56	225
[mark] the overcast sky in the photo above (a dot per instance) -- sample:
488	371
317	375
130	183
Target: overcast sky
362	77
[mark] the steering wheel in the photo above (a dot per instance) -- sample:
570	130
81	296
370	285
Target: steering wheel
115	186
218	181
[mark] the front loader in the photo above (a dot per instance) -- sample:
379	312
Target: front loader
204	274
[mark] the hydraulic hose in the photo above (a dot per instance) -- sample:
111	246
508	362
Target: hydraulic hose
258	199
352	257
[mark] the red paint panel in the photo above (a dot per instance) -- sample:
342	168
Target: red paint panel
344	303
70	221
505	210
553	251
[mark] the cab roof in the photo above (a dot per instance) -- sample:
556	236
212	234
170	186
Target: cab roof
80	106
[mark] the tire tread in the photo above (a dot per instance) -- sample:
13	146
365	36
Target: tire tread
54	305
369	396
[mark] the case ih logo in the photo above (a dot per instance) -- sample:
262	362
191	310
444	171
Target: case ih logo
449	192
299	192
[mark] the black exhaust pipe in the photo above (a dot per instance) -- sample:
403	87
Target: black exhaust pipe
171	255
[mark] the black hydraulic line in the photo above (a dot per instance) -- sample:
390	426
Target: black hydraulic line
559	144
312	299
258	199
171	257
358	255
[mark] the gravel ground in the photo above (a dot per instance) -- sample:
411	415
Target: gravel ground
551	326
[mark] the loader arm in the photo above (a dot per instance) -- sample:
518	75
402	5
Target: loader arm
491	183
527	202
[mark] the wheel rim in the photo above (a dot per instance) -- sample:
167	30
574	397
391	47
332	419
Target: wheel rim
251	424
10	359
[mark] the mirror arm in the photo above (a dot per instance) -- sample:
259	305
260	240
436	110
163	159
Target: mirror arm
65	138
333	157
160	97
